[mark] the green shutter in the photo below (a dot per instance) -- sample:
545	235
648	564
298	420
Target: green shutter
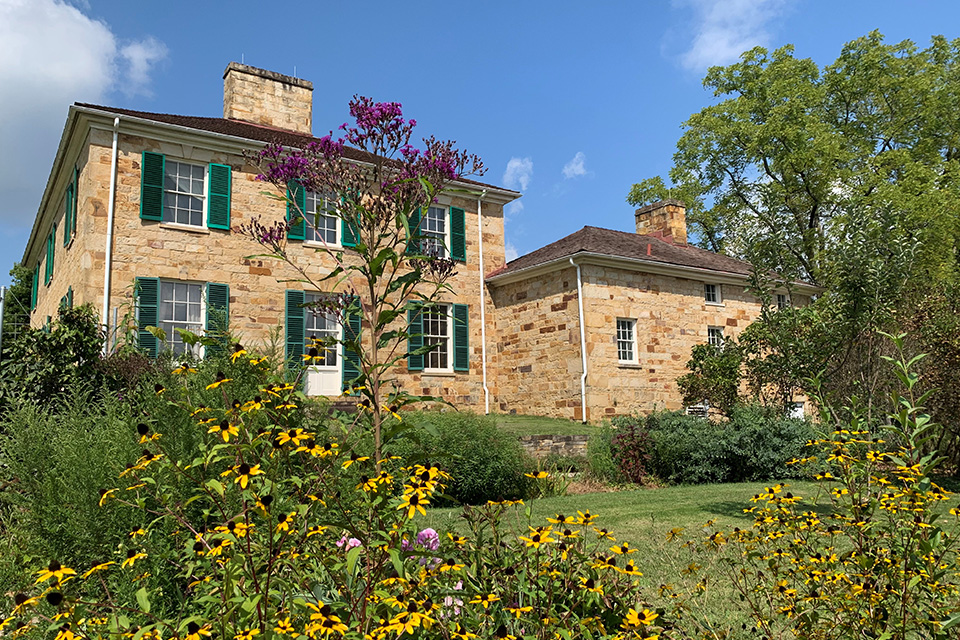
218	317
67	214
413	244
70	297
151	186
148	314
414	339
458	234
351	331
51	248
295	324
461	337
34	286
348	230
218	206
296	207
76	202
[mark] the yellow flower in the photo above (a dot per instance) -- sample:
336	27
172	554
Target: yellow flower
585	517
413	502
225	429
98	567
238	352
132	557
183	370
138	532
604	534
560	519
252	405
592	585
105	494
635	619
623	549
221	379
519	611
629	569
539	475
316	530
283	522
486	600
244	472
537	537
457	540
246	634
194	631
64	633
354	458
284	627
54	570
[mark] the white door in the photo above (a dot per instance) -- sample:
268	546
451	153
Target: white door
325	376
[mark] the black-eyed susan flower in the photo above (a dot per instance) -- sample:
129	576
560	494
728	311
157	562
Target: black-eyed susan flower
519	611
591	585
457	540
195	631
132	556
244	472
220	379
103	566
635	619
105	495
22	601
225	429
183	369
238	352
538	536
539	475
485	600
630	569
449	564
246	634
316	530
56	571
283	627
65	633
413	502
354	458
252	405
561	519
623	549
284	521
462	633
585	517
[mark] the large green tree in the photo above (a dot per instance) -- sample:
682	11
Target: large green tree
813	171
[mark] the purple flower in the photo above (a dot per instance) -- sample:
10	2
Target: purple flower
349	542
429	539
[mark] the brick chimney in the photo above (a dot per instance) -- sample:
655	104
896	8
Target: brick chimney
666	219
268	98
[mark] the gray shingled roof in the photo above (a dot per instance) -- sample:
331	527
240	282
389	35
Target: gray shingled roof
249	131
622	244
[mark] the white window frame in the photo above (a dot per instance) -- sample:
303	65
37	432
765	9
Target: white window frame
627	340
445	312
715	336
169	326
310	234
429	238
796	410
716	293
783	301
203	196
308	333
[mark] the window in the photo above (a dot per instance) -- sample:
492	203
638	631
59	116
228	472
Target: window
782	301
711	293
436	330
626	340
796	410
715	336
318	326
322	219
184	198
181	307
433	228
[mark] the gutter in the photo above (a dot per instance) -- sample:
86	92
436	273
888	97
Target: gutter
483	321
583	346
108	249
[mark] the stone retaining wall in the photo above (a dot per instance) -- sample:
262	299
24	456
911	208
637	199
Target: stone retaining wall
541	446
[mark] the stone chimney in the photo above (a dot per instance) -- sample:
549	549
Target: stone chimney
267	98
666	219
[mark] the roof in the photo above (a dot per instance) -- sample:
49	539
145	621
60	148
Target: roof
622	244
250	131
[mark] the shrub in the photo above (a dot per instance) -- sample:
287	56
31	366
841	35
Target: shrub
755	444
602	465
486	463
630	448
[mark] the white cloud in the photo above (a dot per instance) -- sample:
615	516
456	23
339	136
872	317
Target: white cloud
575	168
519	173
141	55
510	251
726	28
512	210
52	55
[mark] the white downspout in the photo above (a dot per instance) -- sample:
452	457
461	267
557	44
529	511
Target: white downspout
108	259
483	317
583	346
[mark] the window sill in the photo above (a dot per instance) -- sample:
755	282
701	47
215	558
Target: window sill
314	244
714	304
629	365
184	227
438	374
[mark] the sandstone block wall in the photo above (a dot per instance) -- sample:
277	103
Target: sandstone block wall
268	98
538	346
152	249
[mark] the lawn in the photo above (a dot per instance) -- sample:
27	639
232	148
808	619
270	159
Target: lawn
537	425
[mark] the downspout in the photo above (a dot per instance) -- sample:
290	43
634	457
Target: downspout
108	251
483	317
583	346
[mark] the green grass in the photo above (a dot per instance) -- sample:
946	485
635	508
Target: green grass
537	425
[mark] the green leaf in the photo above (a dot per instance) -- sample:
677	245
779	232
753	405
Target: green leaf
215	485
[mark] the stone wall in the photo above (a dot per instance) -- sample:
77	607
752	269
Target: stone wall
267	98
538	346
541	446
152	249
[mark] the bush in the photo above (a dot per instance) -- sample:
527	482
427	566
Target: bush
630	448
600	456
486	462
755	444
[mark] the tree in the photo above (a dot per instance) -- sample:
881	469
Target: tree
795	162
398	272
16	304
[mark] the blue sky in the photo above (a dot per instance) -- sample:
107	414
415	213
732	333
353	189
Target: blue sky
569	102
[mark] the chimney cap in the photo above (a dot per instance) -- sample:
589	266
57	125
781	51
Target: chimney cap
269	75
653	206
